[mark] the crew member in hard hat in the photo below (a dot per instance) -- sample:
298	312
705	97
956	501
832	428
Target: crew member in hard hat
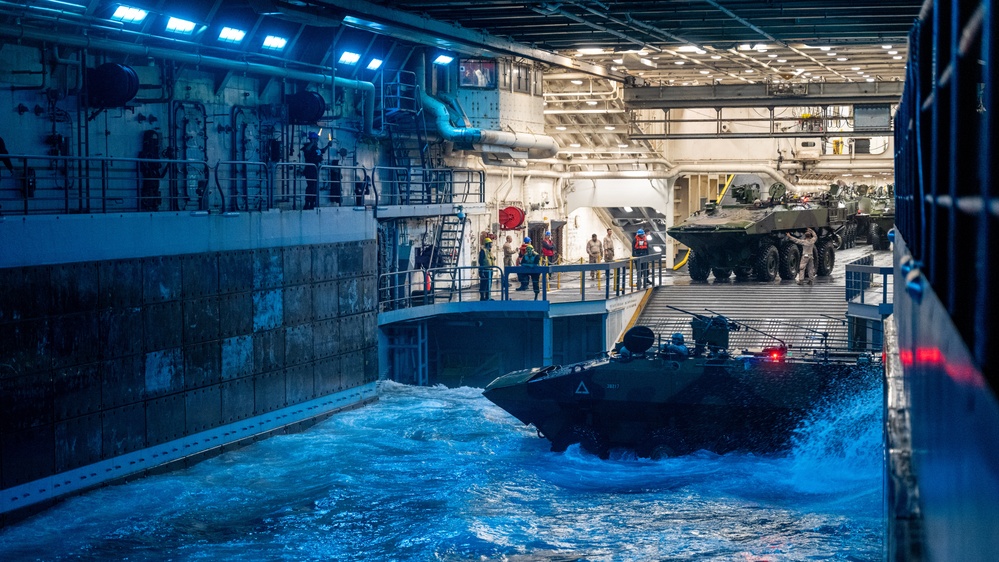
640	248
594	249
313	156
676	349
807	265
547	249
522	277
486	263
532	259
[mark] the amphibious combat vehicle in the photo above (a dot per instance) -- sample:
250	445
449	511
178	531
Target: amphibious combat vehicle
743	232
673	400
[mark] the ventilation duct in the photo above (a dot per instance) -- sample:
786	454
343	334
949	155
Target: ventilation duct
305	108
111	85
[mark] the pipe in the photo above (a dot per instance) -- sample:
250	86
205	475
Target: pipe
367	88
466	138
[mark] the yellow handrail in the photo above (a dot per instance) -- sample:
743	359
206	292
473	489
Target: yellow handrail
683	262
725	189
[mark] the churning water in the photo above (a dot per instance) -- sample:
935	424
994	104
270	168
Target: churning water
442	474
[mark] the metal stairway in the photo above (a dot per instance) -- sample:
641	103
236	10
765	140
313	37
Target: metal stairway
447	251
409	157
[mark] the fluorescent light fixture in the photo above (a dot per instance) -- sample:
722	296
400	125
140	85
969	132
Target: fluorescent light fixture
443	59
678	62
825	48
609	127
574	145
716	57
375	64
178	25
591	51
705	72
688	49
126	14
646	62
782	61
623	145
274	43
627	209
577	82
897	57
591	102
231	35
892	52
348	57
560	128
886	46
841	59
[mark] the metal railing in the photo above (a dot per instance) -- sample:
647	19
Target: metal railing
870	285
561	283
428	186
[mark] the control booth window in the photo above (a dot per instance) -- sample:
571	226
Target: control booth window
477	73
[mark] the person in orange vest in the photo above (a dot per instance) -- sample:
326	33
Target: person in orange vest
641	248
523	277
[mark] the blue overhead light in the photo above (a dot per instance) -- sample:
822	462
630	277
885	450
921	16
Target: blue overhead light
443	59
274	42
375	64
231	35
126	14
348	57
178	25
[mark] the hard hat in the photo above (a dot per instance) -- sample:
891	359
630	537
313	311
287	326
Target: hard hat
487	241
548	233
640	231
529	247
677	338
527	240
313	135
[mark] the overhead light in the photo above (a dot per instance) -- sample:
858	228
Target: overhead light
897	57
591	51
274	43
375	64
854	68
841	59
705	72
782	61
886	46
825	48
749	71
178	25
627	209
618	61
348	57
574	145
231	35
443	59
560	128
623	145
869	79
679	62
577	82
591	102
892	52
830	54
772	55
688	49
126	14
716	57
647	62
609	127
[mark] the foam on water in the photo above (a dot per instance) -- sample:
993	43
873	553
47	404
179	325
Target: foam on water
443	474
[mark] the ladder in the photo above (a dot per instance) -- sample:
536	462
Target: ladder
446	253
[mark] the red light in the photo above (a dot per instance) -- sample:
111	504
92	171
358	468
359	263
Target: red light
774	356
928	355
905	356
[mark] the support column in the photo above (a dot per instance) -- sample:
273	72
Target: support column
546	350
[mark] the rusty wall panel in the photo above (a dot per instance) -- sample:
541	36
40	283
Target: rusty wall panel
74	288
369	252
352	369
76	391
325	337
370	330
124	430
268	351
268	309
325	301
351	336
201	320
202	364
235	314
162	325
327	376
25	346
161	279
324	262
297	304
123	380
200	275
268	269
74	339
350	296
27	455
13	305
235	271
78	442
164	372
237	357
298	344
237	399
297	265
121	332
26	401
269	391
368	293
165	419
350	259
204	409
299	384
120	284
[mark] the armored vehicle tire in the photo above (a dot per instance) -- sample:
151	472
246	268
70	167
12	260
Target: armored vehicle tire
588	438
697	269
721	274
826	256
877	237
790	259
767	263
663	443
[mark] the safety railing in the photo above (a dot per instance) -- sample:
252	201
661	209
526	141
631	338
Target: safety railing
244	185
429	186
71	184
870	285
561	283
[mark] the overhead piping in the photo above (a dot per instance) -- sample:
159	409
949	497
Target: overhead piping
367	88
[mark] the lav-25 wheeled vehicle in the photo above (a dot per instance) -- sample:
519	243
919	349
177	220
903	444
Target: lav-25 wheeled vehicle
744	232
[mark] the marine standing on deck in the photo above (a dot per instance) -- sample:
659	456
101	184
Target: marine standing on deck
547	249
640	247
593	249
313	156
486	263
532	259
608	247
807	264
508	252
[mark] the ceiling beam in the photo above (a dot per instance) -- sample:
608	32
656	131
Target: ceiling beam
762	95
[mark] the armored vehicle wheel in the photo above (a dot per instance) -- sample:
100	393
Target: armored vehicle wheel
721	274
745	273
663	443
697	268
790	259
826	255
588	438
851	230
879	241
767	263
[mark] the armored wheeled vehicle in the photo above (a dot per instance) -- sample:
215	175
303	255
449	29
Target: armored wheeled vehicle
876	215
669	400
744	232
